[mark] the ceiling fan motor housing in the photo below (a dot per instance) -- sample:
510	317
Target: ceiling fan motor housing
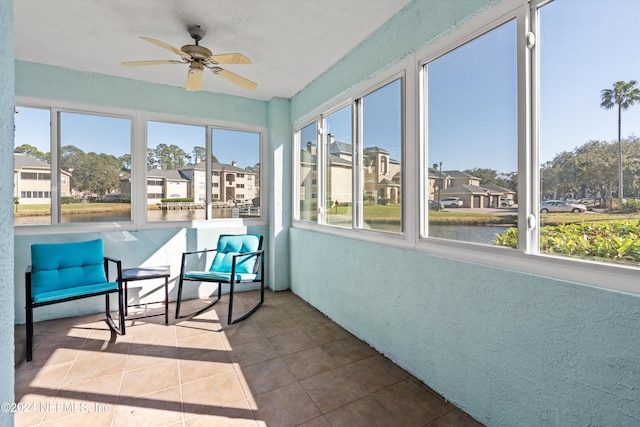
196	52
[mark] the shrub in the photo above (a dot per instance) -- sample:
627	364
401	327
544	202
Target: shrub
383	201
178	199
65	200
630	206
612	241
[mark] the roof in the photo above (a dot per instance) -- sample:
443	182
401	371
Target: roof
172	175
21	161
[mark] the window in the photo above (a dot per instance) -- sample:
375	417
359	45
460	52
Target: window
236	159
338	182
176	152
381	159
308	145
589	148
472	138
31	155
87	143
375	186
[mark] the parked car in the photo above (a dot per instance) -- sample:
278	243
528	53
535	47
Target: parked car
561	206
506	202
434	205
587	201
451	202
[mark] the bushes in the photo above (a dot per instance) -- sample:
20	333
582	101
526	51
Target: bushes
613	241
178	199
65	200
630	206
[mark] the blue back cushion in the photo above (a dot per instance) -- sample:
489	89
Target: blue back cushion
62	265
230	245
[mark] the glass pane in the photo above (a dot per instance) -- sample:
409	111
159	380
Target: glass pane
339	166
235	183
308	173
32	168
95	153
382	152
176	172
589	126
472	139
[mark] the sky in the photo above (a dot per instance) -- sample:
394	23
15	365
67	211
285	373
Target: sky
472	117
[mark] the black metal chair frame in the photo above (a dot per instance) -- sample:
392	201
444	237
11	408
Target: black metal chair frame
30	305
259	267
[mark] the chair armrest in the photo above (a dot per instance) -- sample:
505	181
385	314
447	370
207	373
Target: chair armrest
243	254
118	264
199	252
185	255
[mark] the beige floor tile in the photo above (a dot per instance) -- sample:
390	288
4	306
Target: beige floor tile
292	342
286	406
310	362
253	352
150	379
325	333
89	397
455	418
95	367
411	404
267	376
287	364
142	357
241	333
208	395
161	408
203	365
321	421
235	414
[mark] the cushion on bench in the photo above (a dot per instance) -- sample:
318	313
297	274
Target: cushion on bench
62	270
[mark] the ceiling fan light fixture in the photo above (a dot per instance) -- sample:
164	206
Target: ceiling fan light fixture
194	78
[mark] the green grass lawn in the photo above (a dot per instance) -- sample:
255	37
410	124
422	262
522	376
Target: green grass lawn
70	208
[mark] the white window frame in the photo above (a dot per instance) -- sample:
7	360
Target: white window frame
353	99
527	258
138	166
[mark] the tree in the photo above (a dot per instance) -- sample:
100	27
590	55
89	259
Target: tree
167	157
623	95
31	151
487	176
199	154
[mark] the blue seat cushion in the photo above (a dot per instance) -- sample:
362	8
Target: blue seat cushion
67	269
231	245
219	277
61	294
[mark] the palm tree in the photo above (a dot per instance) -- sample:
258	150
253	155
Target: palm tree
624	95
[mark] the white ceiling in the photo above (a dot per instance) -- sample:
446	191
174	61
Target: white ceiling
290	42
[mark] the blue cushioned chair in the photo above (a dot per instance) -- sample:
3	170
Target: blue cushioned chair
238	260
62	272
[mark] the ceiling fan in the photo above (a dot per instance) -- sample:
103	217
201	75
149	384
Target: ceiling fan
199	57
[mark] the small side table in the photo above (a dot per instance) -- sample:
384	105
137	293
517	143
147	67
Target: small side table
147	273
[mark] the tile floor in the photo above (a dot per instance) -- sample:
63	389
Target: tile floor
287	365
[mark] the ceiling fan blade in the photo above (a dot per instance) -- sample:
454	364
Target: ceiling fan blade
155	62
234	78
230	58
194	78
166	46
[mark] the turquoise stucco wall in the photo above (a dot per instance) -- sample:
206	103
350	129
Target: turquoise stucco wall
56	83
280	146
6	208
508	348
